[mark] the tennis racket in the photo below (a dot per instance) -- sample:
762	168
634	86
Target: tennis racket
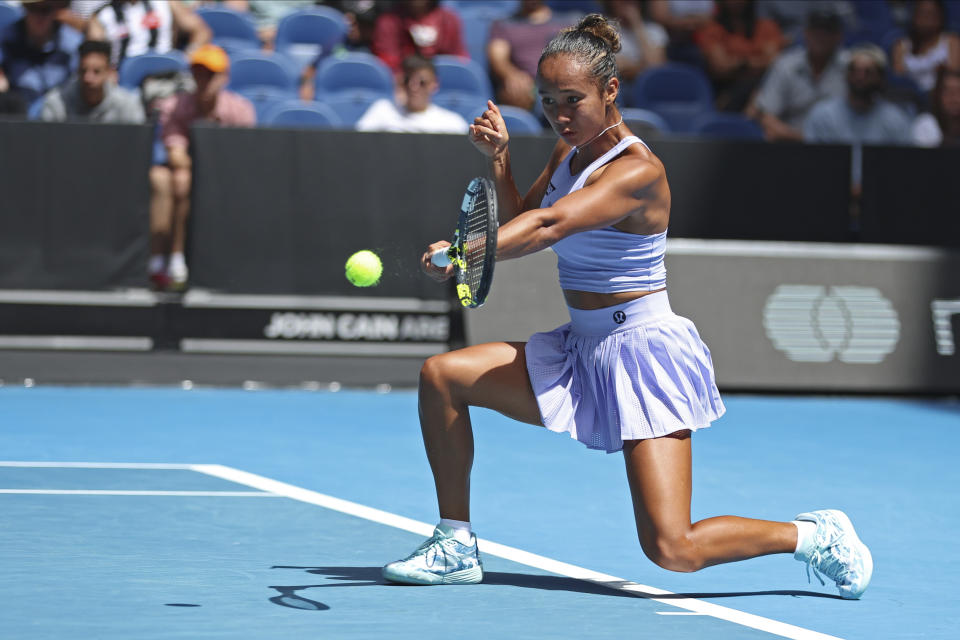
473	250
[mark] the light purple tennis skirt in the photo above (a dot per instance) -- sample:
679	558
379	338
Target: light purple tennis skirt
628	372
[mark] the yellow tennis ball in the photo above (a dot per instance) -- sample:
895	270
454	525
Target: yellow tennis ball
364	269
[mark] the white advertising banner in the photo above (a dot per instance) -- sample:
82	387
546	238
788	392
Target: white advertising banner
782	316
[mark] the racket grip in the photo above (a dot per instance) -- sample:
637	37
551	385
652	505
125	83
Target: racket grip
440	258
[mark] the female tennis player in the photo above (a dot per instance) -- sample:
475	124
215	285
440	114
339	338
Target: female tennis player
625	373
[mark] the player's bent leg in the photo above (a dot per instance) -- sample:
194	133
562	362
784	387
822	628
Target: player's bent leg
493	376
659	474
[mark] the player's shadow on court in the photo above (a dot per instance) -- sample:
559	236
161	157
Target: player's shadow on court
368	576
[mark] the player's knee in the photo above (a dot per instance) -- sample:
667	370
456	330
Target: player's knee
161	179
672	552
434	373
181	183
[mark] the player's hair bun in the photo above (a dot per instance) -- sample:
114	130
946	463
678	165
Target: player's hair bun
597	25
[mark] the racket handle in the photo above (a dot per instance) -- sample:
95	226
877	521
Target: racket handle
440	258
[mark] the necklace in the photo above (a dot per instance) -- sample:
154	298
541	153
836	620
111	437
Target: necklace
585	144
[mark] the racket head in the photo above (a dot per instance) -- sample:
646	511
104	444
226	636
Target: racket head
474	247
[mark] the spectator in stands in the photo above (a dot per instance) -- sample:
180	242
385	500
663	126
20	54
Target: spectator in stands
514	49
862	116
267	14
37	53
792	16
682	19
419	115
134	27
419	27
93	94
801	77
361	17
941	127
170	200
643	43
927	46
738	48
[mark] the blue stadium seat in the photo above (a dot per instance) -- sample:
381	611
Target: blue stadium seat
8	14
303	115
731	126
477	18
953	15
520	120
134	69
459	74
500	8
304	36
232	30
265	98
575	6
257	69
351	105
644	120
354	70
678	92
468	105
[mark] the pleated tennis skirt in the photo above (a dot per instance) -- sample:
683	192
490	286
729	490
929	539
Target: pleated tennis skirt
628	372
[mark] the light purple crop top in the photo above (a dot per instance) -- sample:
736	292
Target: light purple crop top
605	260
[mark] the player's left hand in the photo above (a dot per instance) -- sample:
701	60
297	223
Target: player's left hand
439	274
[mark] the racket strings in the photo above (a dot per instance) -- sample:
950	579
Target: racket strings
475	242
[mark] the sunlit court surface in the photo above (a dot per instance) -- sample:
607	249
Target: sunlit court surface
212	513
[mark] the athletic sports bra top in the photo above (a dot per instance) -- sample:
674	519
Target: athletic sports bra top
605	260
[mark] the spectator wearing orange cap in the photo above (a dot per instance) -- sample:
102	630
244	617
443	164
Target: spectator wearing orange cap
170	202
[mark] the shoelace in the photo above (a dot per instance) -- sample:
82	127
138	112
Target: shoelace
832	558
443	544
433	548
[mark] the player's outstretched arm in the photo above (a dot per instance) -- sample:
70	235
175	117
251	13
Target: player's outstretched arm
626	188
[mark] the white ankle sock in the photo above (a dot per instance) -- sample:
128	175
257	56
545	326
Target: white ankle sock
177	262
461	530
157	264
805	533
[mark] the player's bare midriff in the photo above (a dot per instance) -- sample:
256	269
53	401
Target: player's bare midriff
590	300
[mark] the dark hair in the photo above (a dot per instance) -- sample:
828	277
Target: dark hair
912	30
725	18
413	63
95	46
936	106
594	41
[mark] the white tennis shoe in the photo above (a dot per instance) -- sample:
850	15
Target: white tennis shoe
837	552
442	559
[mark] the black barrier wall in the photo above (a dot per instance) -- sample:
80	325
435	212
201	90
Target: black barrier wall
73	205
280	211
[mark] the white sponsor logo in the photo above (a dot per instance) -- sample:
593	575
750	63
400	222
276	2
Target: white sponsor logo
357	326
811	323
942	328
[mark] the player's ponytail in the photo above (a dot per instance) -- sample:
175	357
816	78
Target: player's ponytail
594	41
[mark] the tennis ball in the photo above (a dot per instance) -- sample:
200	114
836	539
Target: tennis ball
364	269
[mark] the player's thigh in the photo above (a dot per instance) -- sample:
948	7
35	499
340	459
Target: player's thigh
491	375
659	473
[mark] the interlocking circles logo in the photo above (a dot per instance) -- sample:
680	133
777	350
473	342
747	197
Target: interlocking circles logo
812	323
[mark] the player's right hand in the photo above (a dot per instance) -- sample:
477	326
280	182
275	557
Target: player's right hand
488	133
426	263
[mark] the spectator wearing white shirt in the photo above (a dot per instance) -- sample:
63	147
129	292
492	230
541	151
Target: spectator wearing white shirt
419	115
941	127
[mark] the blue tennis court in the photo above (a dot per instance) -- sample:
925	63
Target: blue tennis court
162	513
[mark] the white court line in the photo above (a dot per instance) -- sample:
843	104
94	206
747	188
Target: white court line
96	465
112	492
516	555
679	613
